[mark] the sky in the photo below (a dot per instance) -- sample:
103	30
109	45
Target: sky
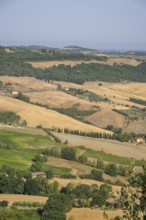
97	24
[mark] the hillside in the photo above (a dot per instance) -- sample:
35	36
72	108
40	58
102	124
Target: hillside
123	112
35	115
110	61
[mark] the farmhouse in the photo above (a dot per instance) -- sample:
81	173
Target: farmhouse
35	174
14	93
140	140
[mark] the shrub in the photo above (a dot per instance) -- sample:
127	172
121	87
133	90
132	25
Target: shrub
69	153
40	159
111	169
96	174
4	203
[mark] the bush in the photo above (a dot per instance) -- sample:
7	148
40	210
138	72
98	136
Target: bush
96	174
35	167
68	176
54	209
22	97
83	159
69	153
100	164
58	140
4	203
49	174
40	159
111	169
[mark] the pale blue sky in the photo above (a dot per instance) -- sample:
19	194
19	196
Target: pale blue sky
99	24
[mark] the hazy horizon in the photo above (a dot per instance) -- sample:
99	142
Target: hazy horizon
103	25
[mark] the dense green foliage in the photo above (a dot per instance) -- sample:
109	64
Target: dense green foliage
74	112
133	113
138	101
15	64
96	175
69	153
17	214
111	169
54	209
11	118
22	97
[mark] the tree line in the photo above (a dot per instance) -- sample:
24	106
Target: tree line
14	64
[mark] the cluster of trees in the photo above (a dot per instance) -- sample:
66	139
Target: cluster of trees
43	54
83	133
114	129
79	196
22	97
74	112
138	101
11	118
70	153
122	137
20	182
84	94
15	64
134	113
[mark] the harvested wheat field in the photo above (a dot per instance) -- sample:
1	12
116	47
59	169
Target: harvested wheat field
106	116
35	115
111	61
120	60
11	198
27	84
94	214
57	99
130	150
120	91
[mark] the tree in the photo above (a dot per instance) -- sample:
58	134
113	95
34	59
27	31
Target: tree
22	97
98	199
31	187
133	197
4	203
36	167
83	159
38	186
111	169
96	174
54	209
106	190
100	164
82	191
49	174
68	153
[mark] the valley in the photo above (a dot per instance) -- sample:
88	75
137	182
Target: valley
73	137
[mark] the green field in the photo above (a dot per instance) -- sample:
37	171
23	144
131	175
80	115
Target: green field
17	150
100	155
